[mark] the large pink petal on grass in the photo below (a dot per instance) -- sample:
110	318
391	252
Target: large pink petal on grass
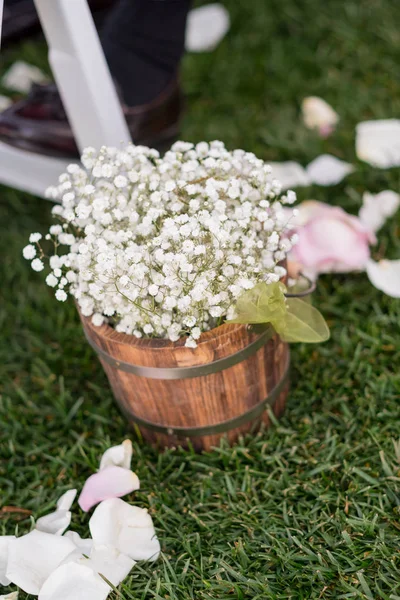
111	482
327	244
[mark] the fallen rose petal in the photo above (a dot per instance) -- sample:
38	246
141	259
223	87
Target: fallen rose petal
66	500
33	557
55	523
206	27
318	114
330	240
291	174
20	77
83	545
377	208
328	170
378	142
119	456
4	549
5	102
385	276
128	528
74	581
59	520
111	563
12	596
111	482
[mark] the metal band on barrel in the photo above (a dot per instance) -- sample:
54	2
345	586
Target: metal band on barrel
186	372
190	432
311	288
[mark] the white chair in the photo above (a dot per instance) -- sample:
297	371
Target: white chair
86	87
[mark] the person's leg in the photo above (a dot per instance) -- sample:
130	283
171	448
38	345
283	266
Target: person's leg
143	42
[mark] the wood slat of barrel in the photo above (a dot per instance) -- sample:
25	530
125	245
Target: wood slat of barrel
197	401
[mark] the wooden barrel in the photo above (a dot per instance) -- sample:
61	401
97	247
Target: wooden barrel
174	394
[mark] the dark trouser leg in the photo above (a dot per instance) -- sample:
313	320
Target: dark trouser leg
144	41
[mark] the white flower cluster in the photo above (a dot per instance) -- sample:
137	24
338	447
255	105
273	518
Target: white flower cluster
163	247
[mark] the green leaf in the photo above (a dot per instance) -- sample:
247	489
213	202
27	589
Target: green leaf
303	323
295	320
264	303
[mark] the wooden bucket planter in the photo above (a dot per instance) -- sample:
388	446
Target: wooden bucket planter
174	394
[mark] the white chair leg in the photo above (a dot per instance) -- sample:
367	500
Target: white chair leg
82	74
1	17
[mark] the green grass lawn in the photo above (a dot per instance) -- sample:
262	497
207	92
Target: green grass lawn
310	508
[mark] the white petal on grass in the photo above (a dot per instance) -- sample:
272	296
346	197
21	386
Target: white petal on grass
378	142
291	174
74	581
5	102
12	596
59	520
119	456
111	563
377	208
111	482
318	114
328	170
33	557
84	545
55	523
4	549
128	528
385	276
206	27
66	500
21	75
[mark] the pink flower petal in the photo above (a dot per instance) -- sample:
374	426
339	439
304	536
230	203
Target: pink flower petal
111	482
330	240
318	114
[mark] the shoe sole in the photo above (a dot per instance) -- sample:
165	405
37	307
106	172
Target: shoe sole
162	143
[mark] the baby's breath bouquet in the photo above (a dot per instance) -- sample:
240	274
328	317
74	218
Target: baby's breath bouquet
165	246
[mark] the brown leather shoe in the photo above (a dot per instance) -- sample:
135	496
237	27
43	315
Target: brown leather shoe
20	18
39	122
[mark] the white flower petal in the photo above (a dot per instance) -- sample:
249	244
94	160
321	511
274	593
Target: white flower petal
55	523
20	77
84	545
59	520
378	142
328	170
318	114
5	102
33	557
111	482
206	27
4	548
111	563
291	174
385	276
66	500
12	596
119	456
74	581
377	208
128	528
